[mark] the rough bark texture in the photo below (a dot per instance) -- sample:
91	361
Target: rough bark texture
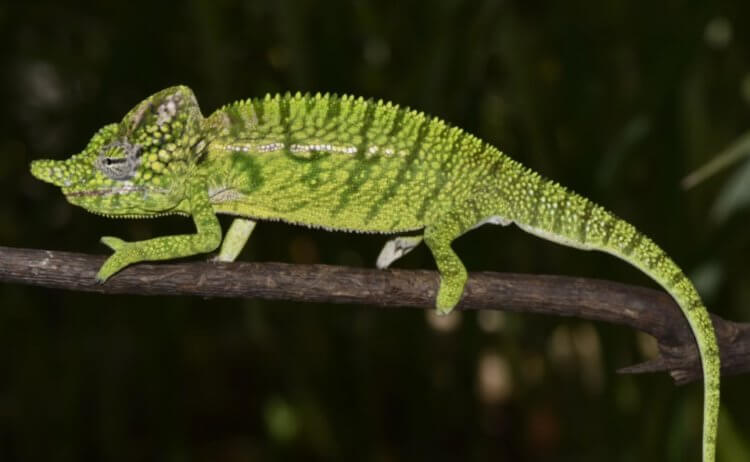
647	310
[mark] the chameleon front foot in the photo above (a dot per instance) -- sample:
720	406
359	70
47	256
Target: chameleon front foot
125	254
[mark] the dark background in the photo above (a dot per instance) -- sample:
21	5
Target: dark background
618	100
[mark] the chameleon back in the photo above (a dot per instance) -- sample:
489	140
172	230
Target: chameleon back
341	163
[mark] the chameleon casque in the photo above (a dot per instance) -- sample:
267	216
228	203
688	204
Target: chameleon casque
342	163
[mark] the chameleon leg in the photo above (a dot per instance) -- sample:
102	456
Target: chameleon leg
206	239
452	272
235	239
397	248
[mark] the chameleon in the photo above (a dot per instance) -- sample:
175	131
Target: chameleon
349	164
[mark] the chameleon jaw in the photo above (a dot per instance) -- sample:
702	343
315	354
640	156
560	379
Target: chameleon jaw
125	189
126	201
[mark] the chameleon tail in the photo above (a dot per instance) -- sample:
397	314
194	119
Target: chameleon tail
548	210
633	247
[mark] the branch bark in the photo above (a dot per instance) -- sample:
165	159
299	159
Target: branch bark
650	311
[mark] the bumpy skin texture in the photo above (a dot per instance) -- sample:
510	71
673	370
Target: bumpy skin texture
347	164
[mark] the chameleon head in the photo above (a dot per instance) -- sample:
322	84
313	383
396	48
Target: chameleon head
136	167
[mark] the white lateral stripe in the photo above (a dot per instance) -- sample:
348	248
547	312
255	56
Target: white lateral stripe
297	147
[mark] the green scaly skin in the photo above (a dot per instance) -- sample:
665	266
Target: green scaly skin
342	163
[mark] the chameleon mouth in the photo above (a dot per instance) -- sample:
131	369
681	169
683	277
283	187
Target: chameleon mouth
89	193
111	191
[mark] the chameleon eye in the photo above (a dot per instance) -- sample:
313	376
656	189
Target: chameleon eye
114	161
118	160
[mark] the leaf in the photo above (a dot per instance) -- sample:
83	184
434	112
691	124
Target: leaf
735	195
733	153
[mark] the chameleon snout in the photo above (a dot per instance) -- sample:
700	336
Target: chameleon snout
55	172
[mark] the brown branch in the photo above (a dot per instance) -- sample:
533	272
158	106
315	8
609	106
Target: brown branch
647	310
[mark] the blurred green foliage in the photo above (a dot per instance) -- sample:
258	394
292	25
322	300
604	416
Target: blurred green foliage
618	100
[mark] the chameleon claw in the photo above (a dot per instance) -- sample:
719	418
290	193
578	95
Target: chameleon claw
100	279
215	258
106	271
125	254
114	243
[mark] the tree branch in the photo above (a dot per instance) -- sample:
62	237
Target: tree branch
647	310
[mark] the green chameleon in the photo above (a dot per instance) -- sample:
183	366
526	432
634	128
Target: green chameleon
342	163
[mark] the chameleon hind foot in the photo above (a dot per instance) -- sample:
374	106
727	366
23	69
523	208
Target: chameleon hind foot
395	249
452	272
235	239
